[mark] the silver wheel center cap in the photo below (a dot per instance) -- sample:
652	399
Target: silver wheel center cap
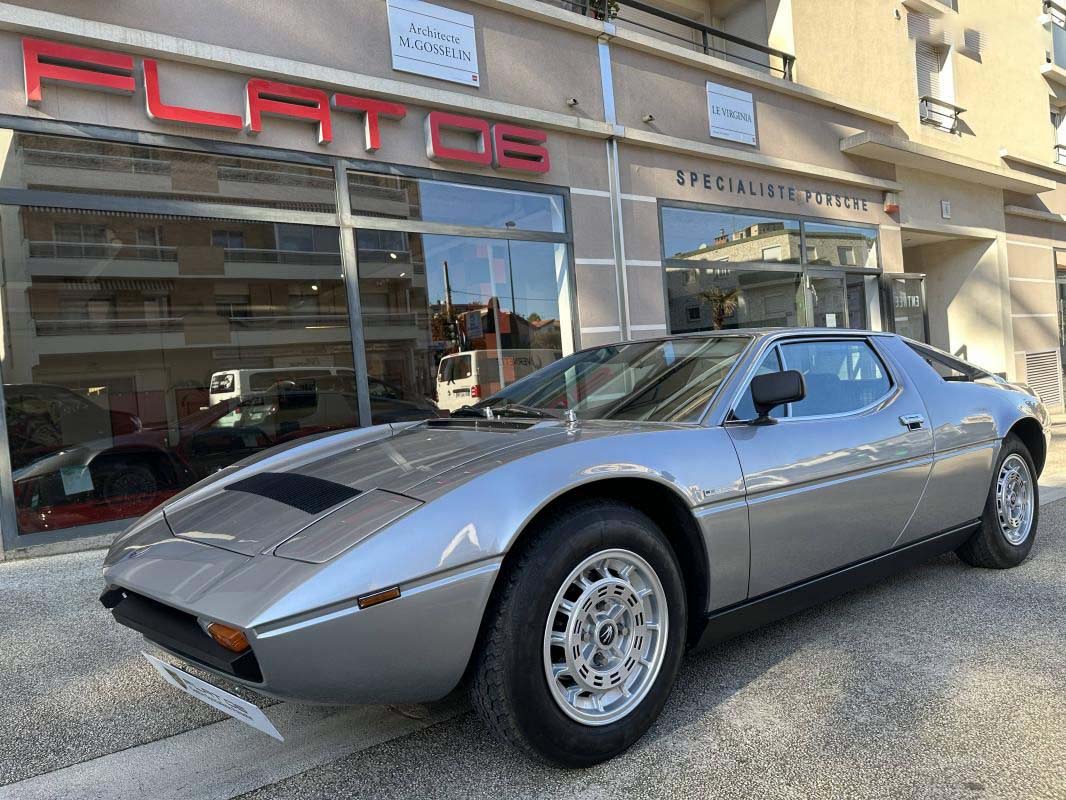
606	634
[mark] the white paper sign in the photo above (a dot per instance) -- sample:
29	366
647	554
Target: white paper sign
225	702
830	320
434	41
732	114
76	480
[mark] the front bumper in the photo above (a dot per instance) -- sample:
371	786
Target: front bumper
179	633
411	649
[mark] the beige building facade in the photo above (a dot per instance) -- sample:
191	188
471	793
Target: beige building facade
227	226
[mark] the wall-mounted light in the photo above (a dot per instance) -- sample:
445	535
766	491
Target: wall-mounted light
891	203
648	118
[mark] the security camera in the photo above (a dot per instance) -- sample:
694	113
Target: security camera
571	101
649	118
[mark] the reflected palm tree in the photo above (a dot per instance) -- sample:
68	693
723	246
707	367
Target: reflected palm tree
723	303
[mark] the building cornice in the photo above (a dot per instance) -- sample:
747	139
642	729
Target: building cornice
1033	161
658	141
1032	213
905	153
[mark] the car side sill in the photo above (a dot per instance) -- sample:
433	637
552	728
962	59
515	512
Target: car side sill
732	621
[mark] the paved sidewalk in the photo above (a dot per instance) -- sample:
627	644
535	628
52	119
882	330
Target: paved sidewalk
944	681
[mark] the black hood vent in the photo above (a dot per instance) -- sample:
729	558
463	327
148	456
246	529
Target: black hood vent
313	495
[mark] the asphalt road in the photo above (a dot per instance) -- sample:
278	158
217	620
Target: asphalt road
944	681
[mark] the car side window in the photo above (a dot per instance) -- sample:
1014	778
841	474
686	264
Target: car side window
946	366
745	409
841	376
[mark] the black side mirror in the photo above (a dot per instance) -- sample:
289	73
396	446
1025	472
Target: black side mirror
776	389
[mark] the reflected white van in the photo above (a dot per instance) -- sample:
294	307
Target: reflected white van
241	383
466	378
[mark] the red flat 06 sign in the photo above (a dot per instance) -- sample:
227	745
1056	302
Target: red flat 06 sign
457	138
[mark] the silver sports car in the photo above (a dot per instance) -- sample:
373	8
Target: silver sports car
558	546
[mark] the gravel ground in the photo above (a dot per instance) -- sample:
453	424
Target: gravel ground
73	684
943	682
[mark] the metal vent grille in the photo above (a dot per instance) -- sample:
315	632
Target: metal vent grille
313	495
1044	374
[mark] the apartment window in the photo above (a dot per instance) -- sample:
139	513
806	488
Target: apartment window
694	314
936	85
228	240
846	256
1058	122
1057	15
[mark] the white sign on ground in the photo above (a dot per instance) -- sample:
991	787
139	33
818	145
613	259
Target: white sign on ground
225	702
434	41
732	114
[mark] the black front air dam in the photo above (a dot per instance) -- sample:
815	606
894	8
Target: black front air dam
179	633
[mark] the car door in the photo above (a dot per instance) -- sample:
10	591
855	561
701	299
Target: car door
838	476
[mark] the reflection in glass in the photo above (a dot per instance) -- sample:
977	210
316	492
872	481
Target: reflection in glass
147	351
718	236
828	300
61	164
908	308
454	203
840	245
655	381
452	319
706	299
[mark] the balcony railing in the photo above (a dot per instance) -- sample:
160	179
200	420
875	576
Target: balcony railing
703	38
941	113
290	322
95	161
99	251
251	255
96	327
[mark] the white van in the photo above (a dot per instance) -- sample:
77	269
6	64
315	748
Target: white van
465	378
241	383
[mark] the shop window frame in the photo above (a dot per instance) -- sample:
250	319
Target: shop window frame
342	219
803	266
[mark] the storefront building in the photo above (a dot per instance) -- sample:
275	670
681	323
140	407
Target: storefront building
225	230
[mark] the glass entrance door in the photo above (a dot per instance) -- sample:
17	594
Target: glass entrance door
827	299
904	295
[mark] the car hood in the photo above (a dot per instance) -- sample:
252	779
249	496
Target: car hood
254	507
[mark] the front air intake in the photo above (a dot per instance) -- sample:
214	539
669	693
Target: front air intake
313	495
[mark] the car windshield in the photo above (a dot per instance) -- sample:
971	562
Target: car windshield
658	381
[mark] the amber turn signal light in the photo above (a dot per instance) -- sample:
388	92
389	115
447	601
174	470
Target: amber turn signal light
230	638
374	598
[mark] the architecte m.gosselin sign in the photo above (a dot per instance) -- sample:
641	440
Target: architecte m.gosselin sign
433	41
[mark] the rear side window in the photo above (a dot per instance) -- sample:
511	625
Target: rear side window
841	376
455	368
947	367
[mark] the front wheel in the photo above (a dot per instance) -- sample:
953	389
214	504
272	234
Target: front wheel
584	638
1012	511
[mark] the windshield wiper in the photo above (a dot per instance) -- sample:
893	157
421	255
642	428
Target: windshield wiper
519	410
504	410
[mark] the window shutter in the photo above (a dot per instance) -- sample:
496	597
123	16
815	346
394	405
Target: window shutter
929	63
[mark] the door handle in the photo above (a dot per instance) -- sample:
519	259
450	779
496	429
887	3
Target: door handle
912	422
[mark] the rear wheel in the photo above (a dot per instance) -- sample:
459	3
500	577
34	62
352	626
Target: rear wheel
584	637
1012	511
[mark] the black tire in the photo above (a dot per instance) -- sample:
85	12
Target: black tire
510	689
989	546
